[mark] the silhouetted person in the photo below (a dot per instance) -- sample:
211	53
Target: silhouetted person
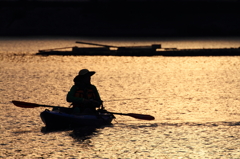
83	95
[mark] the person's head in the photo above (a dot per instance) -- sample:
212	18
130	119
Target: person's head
84	76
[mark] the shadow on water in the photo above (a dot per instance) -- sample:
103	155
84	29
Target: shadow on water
46	130
83	133
79	134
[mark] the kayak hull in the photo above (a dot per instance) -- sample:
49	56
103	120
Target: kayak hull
56	120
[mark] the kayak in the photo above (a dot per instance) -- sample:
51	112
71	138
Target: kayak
64	119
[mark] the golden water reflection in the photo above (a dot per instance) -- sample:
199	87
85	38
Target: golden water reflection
195	101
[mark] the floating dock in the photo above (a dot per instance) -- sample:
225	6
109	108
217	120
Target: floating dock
153	50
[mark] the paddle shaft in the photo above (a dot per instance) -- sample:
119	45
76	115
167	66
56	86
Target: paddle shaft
137	116
118	113
49	106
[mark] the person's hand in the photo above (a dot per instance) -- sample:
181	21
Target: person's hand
92	102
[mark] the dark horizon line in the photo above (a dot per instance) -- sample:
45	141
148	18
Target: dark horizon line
179	35
209	5
119	1
116	0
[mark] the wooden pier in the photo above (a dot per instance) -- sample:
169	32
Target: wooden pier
153	50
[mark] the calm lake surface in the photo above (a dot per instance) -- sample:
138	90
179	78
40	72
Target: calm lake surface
195	100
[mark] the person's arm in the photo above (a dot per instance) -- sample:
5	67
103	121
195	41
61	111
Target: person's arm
97	101
98	98
71	96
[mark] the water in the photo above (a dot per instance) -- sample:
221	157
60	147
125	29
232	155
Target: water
195	100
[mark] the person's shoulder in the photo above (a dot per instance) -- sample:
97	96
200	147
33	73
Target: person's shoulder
74	86
93	86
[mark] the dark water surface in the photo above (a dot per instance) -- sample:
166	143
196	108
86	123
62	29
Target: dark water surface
195	101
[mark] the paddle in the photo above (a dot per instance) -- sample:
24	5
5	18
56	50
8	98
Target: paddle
31	105
137	116
34	105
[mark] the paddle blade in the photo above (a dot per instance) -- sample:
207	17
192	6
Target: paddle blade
24	104
141	116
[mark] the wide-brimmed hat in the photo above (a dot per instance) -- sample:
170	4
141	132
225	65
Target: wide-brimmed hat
84	72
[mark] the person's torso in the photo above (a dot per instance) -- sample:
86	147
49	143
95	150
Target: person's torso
85	92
